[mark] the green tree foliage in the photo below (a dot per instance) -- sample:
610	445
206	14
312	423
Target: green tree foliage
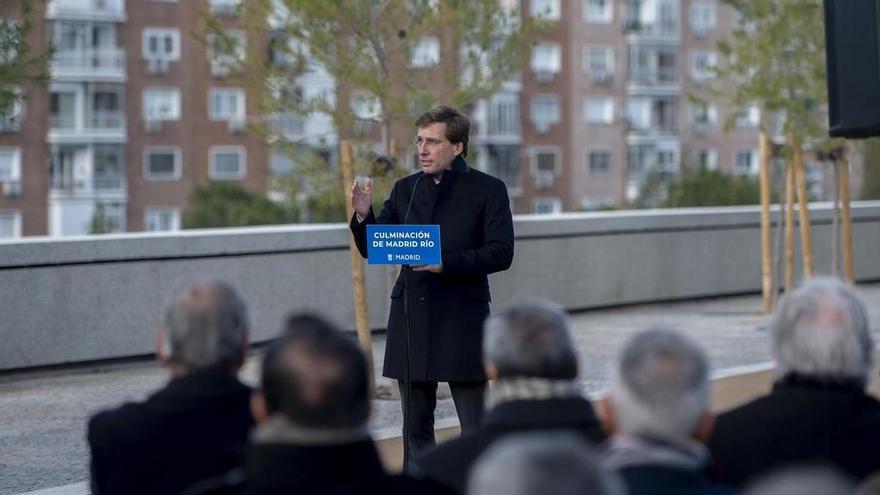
776	59
18	62
871	179
226	204
102	223
705	187
366	47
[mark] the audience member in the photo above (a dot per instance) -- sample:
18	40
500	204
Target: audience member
658	416
197	425
312	414
818	410
802	481
541	463
528	352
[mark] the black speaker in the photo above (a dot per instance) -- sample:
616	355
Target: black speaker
852	50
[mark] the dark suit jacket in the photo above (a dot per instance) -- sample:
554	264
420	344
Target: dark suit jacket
450	462
281	469
447	310
196	427
801	421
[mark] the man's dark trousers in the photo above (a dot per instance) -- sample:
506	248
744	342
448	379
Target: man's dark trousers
467	396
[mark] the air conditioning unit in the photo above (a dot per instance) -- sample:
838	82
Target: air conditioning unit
236	125
544	76
157	66
12	188
152	125
542	127
544	179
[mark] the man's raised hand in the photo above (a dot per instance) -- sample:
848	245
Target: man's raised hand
362	198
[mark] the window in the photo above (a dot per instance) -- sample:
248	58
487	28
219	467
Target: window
598	162
503	162
161	44
545	112
598	11
425	53
12	119
748	117
745	162
702	18
599	110
706	158
226	52
162	163
227	162
598	63
545	163
546	206
226	104
10	224
504	114
702	65
10	164
546	9
161	218
224	7
161	104
703	113
546	61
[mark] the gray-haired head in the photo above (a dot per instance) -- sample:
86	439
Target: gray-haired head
530	340
821	330
802	481
206	327
661	385
545	463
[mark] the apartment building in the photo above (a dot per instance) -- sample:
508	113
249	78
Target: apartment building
139	111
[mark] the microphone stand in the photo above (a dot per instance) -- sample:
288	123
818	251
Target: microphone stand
407	373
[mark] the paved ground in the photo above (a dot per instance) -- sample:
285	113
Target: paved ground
43	413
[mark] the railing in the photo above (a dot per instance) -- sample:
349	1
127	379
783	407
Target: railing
106	59
85	8
106	120
662	28
289	124
665	75
62	122
109	183
10	123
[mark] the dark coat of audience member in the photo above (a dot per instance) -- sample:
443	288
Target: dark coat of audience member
197	425
818	411
529	352
312	414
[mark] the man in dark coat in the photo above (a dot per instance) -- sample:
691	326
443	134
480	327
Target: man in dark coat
818	411
530	355
658	416
312	413
197	425
448	302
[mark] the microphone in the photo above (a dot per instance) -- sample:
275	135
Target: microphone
411	196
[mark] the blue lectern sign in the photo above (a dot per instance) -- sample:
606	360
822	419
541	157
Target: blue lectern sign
403	244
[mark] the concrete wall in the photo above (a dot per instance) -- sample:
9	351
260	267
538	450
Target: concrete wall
79	299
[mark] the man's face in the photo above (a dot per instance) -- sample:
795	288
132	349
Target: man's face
435	151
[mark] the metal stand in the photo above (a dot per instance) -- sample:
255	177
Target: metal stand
407	378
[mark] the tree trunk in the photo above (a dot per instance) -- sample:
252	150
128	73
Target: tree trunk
358	280
789	226
803	211
847	220
766	254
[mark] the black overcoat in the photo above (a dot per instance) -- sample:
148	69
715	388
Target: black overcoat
447	310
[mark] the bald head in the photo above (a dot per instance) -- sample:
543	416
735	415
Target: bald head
316	376
206	327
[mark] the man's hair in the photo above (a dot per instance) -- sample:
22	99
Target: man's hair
661	385
802	480
821	330
545	463
458	126
205	327
530	340
316	376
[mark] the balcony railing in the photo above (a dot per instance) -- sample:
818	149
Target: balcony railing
664	75
62	122
10	123
288	124
85	9
106	120
662	28
108	183
99	183
111	59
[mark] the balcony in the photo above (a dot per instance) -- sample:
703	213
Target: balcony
93	65
663	29
87	10
289	125
98	126
98	184
10	123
